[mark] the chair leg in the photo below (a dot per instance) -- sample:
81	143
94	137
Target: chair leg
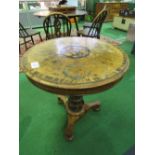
32	40
78	35
19	49
40	37
25	44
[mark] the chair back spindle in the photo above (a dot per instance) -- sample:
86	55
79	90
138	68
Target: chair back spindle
57	25
97	23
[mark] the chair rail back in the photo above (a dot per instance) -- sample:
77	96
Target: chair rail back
22	31
95	28
57	25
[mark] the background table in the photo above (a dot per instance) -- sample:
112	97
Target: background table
75	66
77	13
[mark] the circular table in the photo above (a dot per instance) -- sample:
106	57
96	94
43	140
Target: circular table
74	14
73	67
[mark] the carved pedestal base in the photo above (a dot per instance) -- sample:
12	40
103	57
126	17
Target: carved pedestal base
75	108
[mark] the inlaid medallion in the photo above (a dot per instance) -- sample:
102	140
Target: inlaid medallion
75	51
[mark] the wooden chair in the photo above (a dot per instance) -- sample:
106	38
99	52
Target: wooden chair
93	29
27	35
57	25
88	24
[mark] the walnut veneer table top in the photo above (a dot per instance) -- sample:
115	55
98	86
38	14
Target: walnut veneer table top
74	63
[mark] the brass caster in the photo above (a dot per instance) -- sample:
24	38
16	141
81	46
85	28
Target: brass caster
69	138
96	108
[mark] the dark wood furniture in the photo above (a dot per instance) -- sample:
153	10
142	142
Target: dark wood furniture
93	30
75	66
71	15
27	35
57	25
62	8
112	7
62	2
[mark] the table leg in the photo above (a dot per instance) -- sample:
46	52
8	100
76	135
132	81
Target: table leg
71	120
75	108
76	24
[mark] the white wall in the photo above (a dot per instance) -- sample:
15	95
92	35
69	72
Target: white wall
73	2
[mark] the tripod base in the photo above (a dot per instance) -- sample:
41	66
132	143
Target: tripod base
75	108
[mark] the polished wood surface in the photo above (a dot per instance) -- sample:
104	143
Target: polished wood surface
74	63
75	13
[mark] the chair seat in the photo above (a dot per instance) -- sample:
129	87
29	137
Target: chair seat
30	32
93	29
87	24
85	32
